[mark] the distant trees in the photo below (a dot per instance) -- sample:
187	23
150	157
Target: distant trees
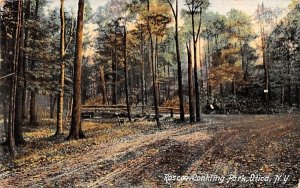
282	52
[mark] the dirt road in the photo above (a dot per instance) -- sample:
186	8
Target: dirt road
239	145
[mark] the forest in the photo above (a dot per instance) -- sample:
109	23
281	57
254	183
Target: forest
149	93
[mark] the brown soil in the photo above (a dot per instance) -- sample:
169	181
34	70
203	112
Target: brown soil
139	155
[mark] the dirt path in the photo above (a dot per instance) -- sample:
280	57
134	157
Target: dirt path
99	157
144	159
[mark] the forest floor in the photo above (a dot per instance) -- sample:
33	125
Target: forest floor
224	151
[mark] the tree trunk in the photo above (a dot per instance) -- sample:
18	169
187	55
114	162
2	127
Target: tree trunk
70	105
126	75
33	116
207	66
10	127
60	102
24	97
69	108
26	32
169	90
20	82
142	71
114	70
221	90
52	105
233	86
5	114
266	68
298	96
282	95
197	88
76	129
289	90
103	84
190	82
156	70
154	81
14	122
179	71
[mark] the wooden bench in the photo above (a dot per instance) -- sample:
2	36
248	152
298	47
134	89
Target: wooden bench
171	110
87	115
105	108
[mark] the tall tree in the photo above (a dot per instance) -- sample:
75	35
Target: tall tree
103	84
12	121
19	139
261	17
126	73
60	102
190	83
76	129
25	57
196	7
179	72
158	18
33	115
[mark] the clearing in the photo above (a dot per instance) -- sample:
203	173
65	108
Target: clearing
140	155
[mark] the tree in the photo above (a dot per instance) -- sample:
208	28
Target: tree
179	72
76	129
190	83
14	122
33	115
126	73
103	84
261	17
157	19
196	7
60	102
18	122
282	49
213	31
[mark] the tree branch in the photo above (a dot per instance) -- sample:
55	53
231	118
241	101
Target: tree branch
199	27
174	13
11	74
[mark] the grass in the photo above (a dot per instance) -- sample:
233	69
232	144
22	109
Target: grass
41	147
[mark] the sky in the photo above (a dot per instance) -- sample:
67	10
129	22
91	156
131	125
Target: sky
248	6
220	6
